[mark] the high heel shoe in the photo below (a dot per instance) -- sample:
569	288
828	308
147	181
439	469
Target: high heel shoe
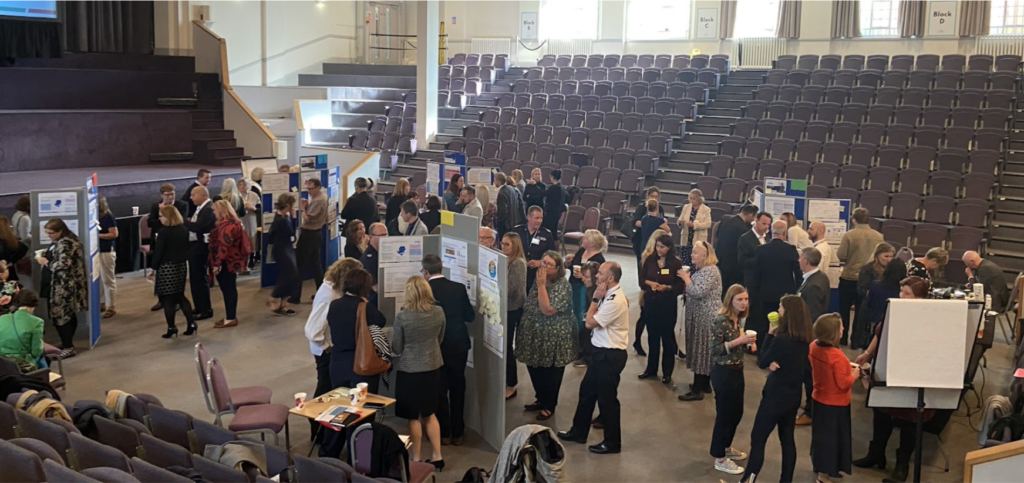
438	465
171	332
192	329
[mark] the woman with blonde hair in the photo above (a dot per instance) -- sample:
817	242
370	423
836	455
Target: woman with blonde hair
416	343
533	194
483	195
695	220
170	268
250	212
229	256
107	257
795	234
592	248
512	248
727	339
703	287
641	323
929	265
229	192
517	180
398	196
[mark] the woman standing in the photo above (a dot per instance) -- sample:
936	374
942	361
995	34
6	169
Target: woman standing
516	284
640	323
317	331
21	332
107	257
695	220
12	249
483	195
453	193
250	220
533	194
592	248
547	336
785	356
833	381
517	180
929	265
398	196
727	378
170	268
63	281
703	286
355	239
22	221
229	192
661	288
229	256
795	234
870	272
282	247
416	343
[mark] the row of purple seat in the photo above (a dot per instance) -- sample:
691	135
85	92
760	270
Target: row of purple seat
482	74
484	60
992	117
630	181
892	96
905	62
710	75
656	89
511	135
893	78
874	133
650	122
686	107
678	61
472	85
380	141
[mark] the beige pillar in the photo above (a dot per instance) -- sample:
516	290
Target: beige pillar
427	29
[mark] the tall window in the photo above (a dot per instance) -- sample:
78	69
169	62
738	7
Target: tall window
1007	17
658	19
879	18
569	19
756	18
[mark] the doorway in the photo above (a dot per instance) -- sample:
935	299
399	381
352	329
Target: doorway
385	19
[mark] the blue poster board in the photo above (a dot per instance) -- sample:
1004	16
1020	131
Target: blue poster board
439	175
91	196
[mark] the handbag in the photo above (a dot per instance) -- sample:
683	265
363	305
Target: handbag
367	362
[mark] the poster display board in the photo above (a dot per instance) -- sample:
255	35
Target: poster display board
440	174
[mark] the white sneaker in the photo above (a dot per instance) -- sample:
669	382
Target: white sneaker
728	466
735	455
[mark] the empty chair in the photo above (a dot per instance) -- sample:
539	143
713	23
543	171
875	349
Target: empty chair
260	418
958	137
835	152
876	202
660	142
789	93
882	178
818	130
828	111
798	170
972	212
812	93
938	209
853	176
766	92
888	96
999	98
608	178
928	62
147	473
871	78
845	78
913	180
786	62
791	129
921	79
989	139
901	63
645	161
899	134
598	137
637	140
964	116
768	128
995	117
965	238
652	122
853	61
975	80
954	62
840	193
909	115
770	168
673	124
779	109
947	79
781	148
822	174
905	206
164	454
837	94
862	94
807	150
732	190
855	113
117	435
90	454
798	77
757	148
978	186
928	136
708	185
754	109
951	159
1007	62
920	157
944	183
897	231
744	168
821	77
891	156
20	464
214	471
48	432
862	154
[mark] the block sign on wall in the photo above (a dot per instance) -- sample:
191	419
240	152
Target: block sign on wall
942	19
528	26
707	23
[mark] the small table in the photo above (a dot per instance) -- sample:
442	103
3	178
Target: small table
318	405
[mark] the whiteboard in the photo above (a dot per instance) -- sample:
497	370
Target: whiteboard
917	342
998	471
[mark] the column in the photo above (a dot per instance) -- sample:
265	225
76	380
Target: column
427	29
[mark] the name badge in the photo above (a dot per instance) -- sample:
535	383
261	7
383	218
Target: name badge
535	242
664	271
293	238
206	238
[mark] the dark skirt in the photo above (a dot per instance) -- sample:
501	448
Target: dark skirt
831	449
288	281
170	278
417	393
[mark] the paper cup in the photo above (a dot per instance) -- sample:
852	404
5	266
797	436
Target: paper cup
40	253
751	333
364	389
300	400
135	211
686	268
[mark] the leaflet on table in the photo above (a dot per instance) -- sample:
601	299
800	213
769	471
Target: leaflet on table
396	274
58	204
490	308
401	249
454	253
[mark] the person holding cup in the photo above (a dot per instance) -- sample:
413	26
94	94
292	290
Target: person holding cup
727	342
661	288
703	284
834	375
592	247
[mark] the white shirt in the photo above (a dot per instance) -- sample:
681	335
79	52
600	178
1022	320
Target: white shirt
317	330
798	238
612	331
826	253
761	237
192	235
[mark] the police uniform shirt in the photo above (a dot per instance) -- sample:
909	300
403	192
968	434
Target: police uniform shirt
535	244
612	331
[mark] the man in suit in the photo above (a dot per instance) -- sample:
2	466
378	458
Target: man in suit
536	241
776	273
727	243
815	289
458	312
756	236
511	211
360	206
199	226
153	222
471	205
202	179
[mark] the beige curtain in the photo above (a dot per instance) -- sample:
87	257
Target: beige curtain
975	18
845	19
727	19
911	18
788	26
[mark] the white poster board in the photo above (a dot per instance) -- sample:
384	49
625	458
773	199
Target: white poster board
707	24
918	341
528	23
401	249
776	205
941	18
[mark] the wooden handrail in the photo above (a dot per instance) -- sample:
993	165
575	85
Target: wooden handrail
252	115
344	188
225	78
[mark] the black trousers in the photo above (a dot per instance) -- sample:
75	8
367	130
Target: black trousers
641	323
661	324
228	286
808	390
197	271
773	413
847	297
728	385
307	254
451	408
511	371
323	383
66	332
171	302
600	386
547	382
882	426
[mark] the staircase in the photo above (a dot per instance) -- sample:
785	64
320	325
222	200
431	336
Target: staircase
1005	244
212	145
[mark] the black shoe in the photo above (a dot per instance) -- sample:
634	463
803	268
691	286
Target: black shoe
532	407
192	329
171	332
899	474
438	465
639	350
666	380
692	396
644	375
570	436
158	306
603	449
203	315
870	461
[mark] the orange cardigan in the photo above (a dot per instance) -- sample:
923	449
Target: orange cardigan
833	376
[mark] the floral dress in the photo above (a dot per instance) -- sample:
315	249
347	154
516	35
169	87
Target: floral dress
543	341
703	299
68	294
686	250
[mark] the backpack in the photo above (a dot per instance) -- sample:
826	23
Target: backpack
995	408
1011	425
475	475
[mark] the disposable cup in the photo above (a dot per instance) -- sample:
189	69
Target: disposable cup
300	400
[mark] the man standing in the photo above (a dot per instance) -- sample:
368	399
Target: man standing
756	236
510	206
815	289
554	202
202	179
371	257
536	241
856	248
199	226
727	244
776	273
458	312
608	317
153	222
817	233
307	250
987	273
408	222
653	193
471	205
360	206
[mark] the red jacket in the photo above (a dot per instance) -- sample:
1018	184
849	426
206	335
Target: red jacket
228	243
833	376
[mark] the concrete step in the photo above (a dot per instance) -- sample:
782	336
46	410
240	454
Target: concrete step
707	128
701	147
369	69
737	89
360	106
749	96
1008	260
226	153
698	137
367	93
1007	231
691	156
357	81
723	111
211	124
726	104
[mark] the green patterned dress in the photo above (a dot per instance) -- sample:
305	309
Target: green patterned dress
543	341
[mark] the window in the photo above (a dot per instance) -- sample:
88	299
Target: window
1007	17
569	19
879	18
756	18
658	20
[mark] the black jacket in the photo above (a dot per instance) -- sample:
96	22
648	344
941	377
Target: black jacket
727	245
745	256
458	311
784	384
776	270
534	194
171	246
204	224
815	292
154	214
394	208
362	207
187	198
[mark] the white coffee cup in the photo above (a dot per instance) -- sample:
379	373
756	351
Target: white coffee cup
300	400
40	253
364	389
751	333
135	211
686	268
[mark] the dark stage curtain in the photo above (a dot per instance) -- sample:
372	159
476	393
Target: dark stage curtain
24	39
115	27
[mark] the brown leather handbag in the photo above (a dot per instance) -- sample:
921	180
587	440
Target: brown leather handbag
367	362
